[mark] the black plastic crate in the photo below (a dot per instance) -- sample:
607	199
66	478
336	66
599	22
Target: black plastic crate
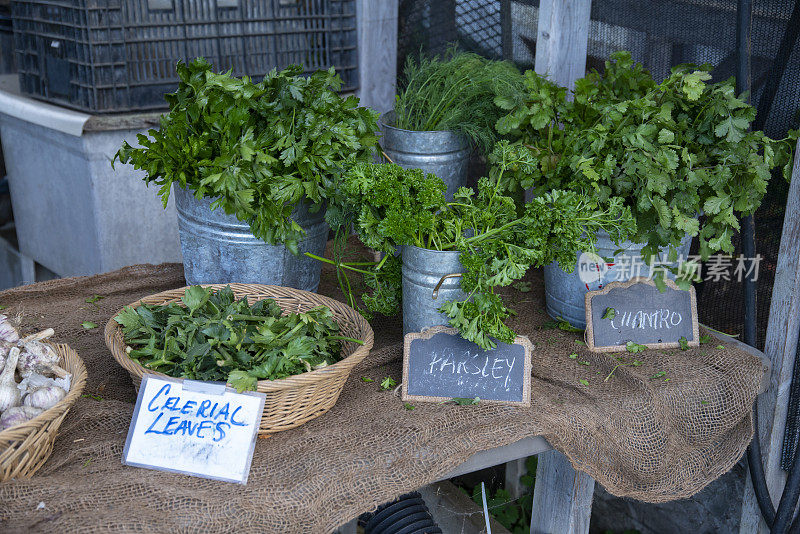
106	56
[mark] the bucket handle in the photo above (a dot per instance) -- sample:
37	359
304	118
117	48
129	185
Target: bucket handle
441	281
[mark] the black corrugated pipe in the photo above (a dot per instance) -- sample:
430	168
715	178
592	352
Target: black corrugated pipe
756	465
789	499
407	515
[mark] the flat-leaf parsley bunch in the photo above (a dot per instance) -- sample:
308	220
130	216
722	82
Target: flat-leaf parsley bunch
260	147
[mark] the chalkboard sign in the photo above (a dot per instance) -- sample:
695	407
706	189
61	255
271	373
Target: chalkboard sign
439	364
195	428
637	311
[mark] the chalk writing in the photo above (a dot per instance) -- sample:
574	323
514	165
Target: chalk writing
443	365
637	312
663	318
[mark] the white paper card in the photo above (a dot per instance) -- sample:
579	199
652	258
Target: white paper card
196	428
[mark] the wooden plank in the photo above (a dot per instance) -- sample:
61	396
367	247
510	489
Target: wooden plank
377	52
783	329
506	30
562	497
562	40
500	455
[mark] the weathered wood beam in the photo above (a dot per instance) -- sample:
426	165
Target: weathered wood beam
783	330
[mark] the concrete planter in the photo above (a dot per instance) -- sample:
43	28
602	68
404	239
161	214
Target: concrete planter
74	214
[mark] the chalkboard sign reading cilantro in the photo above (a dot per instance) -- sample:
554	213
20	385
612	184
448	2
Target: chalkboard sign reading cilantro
637	312
440	365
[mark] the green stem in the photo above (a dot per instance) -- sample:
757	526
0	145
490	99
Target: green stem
338	264
345	338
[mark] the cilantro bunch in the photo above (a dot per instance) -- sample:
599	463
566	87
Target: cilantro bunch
257	148
498	240
456	92
672	151
213	336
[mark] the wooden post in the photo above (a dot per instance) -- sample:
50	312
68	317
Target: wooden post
783	330
514	470
562	40
562	497
377	52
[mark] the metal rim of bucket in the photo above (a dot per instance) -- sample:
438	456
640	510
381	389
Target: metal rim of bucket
444	141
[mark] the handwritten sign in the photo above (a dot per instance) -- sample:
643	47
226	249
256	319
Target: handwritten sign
196	428
438	365
637	311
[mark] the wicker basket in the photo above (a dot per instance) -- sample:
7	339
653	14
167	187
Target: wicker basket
290	401
26	447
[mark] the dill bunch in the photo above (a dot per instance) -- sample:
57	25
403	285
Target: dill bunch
457	92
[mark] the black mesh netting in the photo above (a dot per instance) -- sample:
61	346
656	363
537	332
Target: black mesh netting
659	33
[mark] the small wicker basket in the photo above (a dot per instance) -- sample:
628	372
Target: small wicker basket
24	448
291	401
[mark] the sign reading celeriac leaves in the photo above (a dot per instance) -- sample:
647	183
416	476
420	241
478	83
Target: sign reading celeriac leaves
195	428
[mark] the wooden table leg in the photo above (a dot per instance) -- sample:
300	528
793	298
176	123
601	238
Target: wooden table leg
514	470
562	497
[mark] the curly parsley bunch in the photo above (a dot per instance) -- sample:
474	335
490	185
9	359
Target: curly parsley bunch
497	240
259	148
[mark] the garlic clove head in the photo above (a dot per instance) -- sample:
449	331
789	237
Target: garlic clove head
38	357
17	415
44	397
9	393
7	330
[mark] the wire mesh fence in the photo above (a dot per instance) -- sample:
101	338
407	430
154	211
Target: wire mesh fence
660	34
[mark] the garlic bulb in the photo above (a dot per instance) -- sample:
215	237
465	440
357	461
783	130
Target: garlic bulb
44	398
39	358
17	415
7	331
9	394
3	354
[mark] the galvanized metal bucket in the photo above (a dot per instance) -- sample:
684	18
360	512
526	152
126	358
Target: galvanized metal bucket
430	278
219	249
565	292
443	153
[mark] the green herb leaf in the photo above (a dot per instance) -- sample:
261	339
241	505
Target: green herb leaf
684	343
522	287
610	313
630	346
93	299
88	325
408	406
466	402
584	381
706	338
573	356
388	383
366	379
242	381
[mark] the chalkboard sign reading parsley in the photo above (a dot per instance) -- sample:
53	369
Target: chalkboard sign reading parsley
440	365
636	311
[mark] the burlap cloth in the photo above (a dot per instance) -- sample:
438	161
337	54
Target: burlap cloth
638	436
